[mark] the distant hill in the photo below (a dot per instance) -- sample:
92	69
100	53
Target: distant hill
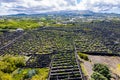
85	13
21	14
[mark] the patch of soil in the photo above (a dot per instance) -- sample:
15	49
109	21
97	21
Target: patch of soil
111	62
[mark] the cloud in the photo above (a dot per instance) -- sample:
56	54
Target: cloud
38	6
99	5
34	6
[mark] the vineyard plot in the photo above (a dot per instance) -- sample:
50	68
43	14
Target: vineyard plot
7	37
49	39
38	61
64	67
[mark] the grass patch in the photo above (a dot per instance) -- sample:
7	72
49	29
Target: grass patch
84	69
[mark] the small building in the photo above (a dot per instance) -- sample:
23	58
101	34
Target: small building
19	30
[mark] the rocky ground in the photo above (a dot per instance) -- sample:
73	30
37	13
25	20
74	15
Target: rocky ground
112	62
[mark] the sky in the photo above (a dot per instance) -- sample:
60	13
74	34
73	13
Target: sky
8	7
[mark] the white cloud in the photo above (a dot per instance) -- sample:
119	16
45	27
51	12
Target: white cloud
98	5
29	6
37	6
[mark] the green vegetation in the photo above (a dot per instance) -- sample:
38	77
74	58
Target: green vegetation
31	74
29	23
83	56
102	72
84	69
42	74
88	36
10	63
5	76
10	69
14	24
54	34
98	76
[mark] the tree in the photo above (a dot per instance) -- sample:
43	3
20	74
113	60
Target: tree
98	76
102	69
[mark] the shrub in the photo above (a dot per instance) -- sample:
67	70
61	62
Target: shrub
5	76
30	74
102	69
9	63
36	77
98	76
83	56
6	67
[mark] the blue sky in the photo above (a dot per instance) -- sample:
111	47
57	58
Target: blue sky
38	6
78	1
